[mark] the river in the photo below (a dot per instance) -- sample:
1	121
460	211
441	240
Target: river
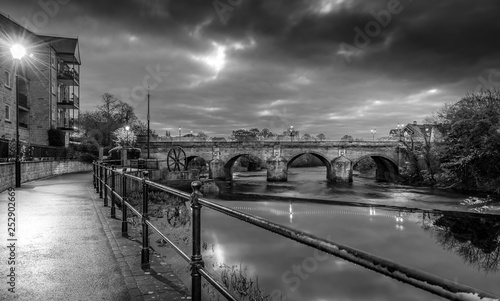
380	218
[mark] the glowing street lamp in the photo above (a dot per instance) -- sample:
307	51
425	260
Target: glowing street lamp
18	52
373	133
127	128
291	133
400	129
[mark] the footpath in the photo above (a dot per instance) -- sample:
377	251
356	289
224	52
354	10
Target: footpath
58	242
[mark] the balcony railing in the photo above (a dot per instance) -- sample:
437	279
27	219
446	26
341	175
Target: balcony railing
66	125
68	76
66	102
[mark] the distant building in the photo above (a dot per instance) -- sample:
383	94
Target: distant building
218	139
45	82
418	132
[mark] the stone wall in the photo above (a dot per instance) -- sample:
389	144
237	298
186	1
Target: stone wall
34	170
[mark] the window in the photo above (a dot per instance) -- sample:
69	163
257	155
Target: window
54	87
7	79
7	113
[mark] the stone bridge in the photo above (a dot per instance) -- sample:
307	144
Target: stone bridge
339	157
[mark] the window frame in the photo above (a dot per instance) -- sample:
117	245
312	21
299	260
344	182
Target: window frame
7	79
8	109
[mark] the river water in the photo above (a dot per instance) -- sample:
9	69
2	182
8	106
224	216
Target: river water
378	218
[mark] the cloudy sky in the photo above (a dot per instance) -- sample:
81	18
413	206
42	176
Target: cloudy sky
332	66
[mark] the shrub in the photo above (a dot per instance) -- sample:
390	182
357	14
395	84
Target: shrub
87	157
56	137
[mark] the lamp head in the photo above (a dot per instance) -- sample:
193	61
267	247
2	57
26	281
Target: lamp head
18	51
127	128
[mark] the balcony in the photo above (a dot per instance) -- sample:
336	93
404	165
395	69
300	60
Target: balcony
67	125
66	102
23	101
68	76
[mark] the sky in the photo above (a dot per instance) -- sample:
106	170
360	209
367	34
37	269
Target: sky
324	66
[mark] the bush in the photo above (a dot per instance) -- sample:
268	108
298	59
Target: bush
88	158
56	137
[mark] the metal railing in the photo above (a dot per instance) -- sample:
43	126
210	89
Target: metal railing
101	173
144	163
39	151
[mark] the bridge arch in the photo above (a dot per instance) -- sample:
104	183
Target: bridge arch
318	155
387	168
196	160
230	163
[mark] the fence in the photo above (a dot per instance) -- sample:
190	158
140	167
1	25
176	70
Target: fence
42	152
38	151
108	191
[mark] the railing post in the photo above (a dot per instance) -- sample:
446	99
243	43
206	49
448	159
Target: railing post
93	175
113	187
105	188
124	207
100	180
196	258
145	234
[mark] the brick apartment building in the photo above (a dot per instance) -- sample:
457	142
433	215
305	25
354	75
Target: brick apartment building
45	82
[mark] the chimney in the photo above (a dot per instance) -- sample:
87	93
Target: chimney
414	123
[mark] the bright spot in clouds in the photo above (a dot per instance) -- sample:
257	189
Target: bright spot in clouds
216	60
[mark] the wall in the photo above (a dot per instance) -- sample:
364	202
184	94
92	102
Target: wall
34	170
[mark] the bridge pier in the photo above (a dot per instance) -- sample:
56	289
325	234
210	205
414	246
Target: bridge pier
277	170
216	170
341	170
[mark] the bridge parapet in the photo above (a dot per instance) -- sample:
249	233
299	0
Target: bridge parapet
231	144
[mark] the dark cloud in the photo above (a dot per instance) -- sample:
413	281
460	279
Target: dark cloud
277	63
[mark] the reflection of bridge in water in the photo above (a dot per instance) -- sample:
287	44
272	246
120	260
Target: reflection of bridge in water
473	237
371	212
339	157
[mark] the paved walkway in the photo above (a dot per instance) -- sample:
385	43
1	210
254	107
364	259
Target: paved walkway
68	248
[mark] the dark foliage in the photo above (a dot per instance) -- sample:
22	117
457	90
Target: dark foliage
56	137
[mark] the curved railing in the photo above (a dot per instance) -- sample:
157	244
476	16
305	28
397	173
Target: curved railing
434	284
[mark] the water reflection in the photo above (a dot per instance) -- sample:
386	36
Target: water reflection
239	252
474	238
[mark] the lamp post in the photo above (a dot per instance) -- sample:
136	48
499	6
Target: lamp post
18	52
373	133
291	133
400	132
148	123
180	137
127	128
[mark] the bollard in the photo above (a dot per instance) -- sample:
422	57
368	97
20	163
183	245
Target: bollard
113	187
100	180
196	258
145	234
105	186
124	207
